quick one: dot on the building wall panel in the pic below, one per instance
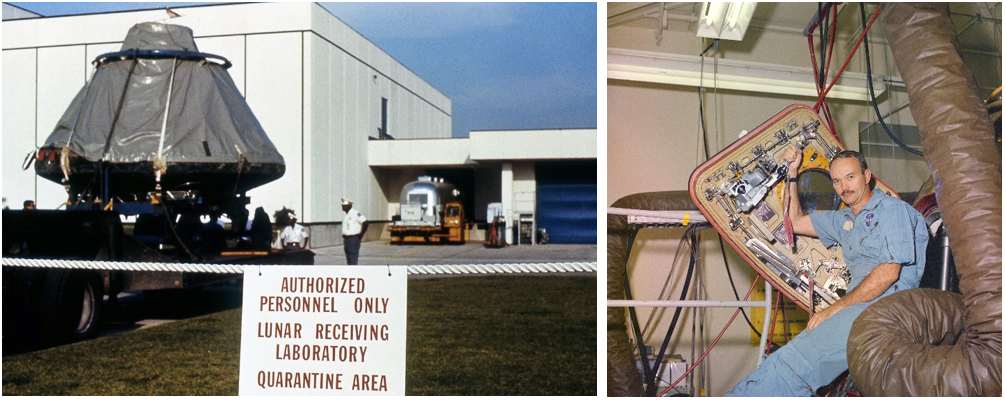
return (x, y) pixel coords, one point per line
(356, 134)
(328, 116)
(274, 81)
(344, 110)
(524, 187)
(393, 74)
(63, 73)
(19, 121)
(311, 140)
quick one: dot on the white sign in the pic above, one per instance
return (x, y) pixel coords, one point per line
(323, 330)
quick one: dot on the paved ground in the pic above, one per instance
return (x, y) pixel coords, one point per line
(382, 253)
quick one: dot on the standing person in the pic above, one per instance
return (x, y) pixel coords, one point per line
(29, 205)
(883, 243)
(294, 236)
(261, 230)
(354, 225)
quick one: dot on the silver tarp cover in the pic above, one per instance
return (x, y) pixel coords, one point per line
(208, 119)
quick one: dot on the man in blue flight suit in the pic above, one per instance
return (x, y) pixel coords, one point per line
(883, 243)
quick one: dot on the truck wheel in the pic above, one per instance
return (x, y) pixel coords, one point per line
(71, 302)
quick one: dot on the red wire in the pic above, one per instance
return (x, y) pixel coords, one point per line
(813, 60)
(785, 325)
(847, 60)
(775, 313)
(831, 41)
(817, 80)
(827, 64)
(813, 63)
(826, 112)
(694, 365)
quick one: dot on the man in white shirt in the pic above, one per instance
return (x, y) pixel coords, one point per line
(294, 236)
(354, 225)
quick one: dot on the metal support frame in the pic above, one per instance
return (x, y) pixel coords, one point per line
(766, 304)
(684, 219)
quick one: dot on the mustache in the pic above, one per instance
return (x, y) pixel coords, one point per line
(846, 192)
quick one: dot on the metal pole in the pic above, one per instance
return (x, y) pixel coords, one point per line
(764, 327)
(692, 216)
(685, 303)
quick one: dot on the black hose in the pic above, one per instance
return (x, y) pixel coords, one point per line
(690, 233)
(171, 225)
(869, 83)
(650, 380)
(702, 113)
(651, 385)
(677, 254)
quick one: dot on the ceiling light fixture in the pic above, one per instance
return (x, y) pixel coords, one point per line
(722, 20)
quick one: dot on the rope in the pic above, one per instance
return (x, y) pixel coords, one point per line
(528, 268)
(125, 266)
(465, 269)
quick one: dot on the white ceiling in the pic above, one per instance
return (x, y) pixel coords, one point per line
(974, 35)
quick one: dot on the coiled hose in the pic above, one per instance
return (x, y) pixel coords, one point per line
(925, 342)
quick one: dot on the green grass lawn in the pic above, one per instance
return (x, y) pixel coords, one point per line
(497, 335)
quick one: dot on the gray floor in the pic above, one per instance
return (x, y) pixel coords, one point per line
(382, 253)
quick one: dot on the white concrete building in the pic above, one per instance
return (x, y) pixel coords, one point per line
(328, 98)
(549, 177)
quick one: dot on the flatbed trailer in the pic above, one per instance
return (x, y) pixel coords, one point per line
(426, 234)
(48, 300)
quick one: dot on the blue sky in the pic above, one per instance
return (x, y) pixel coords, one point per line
(505, 66)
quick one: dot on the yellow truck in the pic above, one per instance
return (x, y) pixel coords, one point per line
(430, 211)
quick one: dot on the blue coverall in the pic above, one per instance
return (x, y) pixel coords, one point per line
(886, 230)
